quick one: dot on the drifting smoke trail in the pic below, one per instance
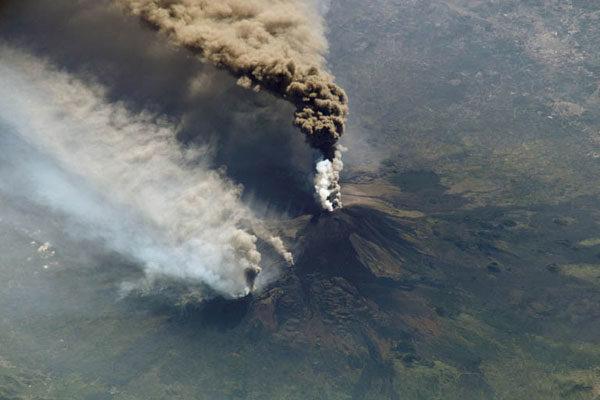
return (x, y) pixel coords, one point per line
(123, 178)
(276, 45)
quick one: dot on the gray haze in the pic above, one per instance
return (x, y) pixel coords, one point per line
(123, 180)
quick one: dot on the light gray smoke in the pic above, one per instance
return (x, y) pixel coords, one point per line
(276, 45)
(278, 245)
(123, 180)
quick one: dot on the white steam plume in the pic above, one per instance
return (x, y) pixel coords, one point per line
(327, 181)
(125, 181)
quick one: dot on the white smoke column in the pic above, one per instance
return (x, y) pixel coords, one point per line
(133, 188)
(327, 181)
(278, 245)
(274, 241)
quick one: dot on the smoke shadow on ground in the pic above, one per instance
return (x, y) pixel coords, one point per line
(216, 313)
(251, 134)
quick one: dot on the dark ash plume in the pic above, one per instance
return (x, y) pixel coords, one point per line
(278, 46)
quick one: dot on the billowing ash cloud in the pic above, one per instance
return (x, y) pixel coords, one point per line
(123, 180)
(276, 45)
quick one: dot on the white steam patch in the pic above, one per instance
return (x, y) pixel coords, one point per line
(327, 181)
(123, 180)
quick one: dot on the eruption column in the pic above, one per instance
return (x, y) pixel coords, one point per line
(275, 45)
